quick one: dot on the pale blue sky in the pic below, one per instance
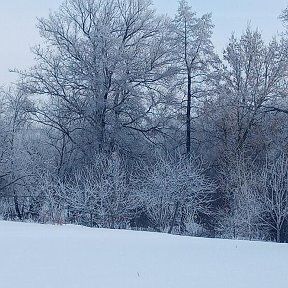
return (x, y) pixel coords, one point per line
(18, 20)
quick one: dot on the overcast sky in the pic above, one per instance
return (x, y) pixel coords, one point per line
(18, 20)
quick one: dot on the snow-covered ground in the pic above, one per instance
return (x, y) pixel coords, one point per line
(46, 256)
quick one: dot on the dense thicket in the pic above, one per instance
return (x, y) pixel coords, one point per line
(129, 119)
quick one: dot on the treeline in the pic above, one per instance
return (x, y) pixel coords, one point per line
(129, 119)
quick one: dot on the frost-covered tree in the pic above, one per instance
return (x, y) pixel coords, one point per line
(240, 214)
(176, 192)
(16, 171)
(103, 70)
(193, 56)
(254, 79)
(98, 195)
(274, 196)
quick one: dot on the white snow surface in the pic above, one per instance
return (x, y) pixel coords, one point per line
(47, 256)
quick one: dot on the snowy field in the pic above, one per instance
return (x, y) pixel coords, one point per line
(46, 256)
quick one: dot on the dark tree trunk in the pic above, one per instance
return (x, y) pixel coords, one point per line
(17, 209)
(188, 116)
(278, 232)
(174, 217)
(182, 222)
